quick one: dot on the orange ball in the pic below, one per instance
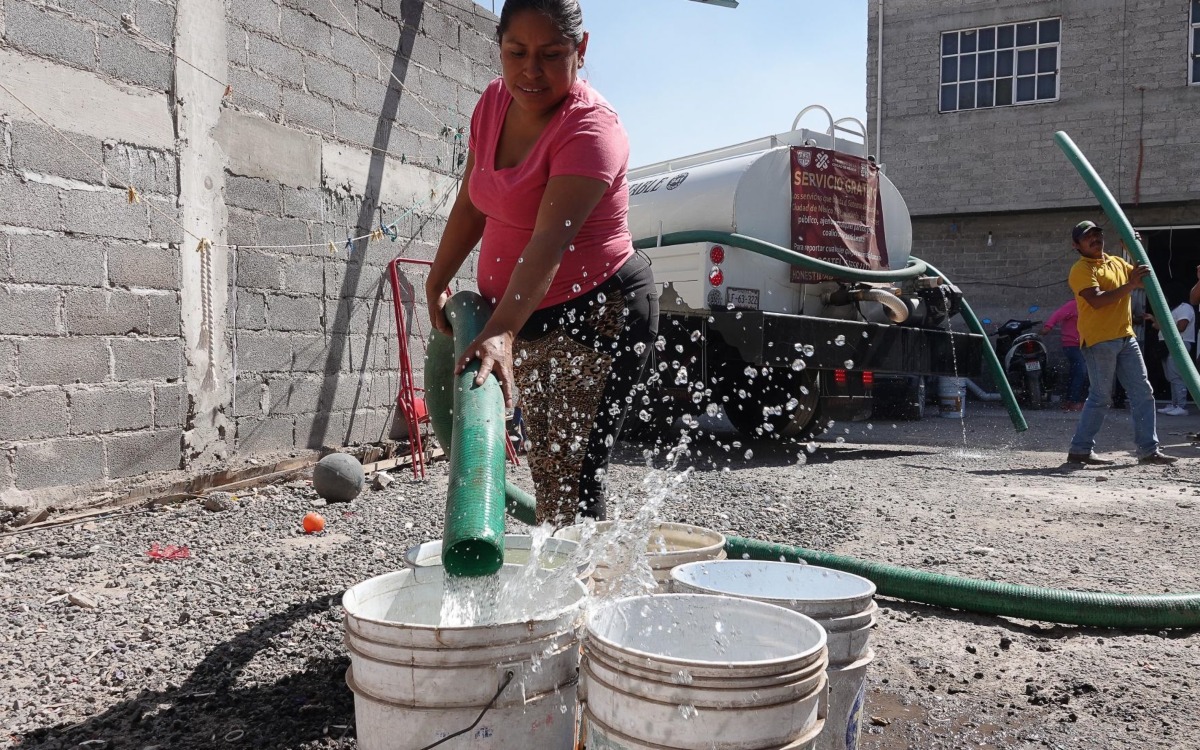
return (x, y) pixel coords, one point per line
(314, 522)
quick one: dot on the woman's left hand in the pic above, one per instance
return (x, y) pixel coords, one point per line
(494, 352)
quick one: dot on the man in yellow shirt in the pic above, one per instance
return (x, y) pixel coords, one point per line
(1102, 284)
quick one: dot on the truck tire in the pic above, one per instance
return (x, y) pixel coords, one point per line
(774, 402)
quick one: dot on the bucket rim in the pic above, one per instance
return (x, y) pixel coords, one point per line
(411, 554)
(729, 665)
(867, 585)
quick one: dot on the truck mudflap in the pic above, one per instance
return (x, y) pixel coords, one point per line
(778, 340)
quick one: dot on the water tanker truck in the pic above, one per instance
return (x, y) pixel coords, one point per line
(788, 298)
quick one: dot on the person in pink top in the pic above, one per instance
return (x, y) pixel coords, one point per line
(1067, 317)
(544, 192)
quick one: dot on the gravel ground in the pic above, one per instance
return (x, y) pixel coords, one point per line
(239, 644)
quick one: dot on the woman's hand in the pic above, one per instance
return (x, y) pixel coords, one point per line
(493, 349)
(437, 310)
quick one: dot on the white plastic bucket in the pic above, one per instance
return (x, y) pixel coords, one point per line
(842, 603)
(518, 548)
(415, 682)
(667, 545)
(690, 671)
(952, 396)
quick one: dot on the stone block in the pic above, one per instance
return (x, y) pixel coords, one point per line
(276, 61)
(143, 453)
(147, 359)
(253, 194)
(259, 270)
(28, 311)
(29, 204)
(110, 410)
(37, 148)
(294, 313)
(264, 435)
(329, 79)
(166, 316)
(33, 415)
(49, 34)
(105, 213)
(308, 111)
(101, 312)
(54, 463)
(170, 405)
(288, 396)
(140, 266)
(61, 361)
(264, 353)
(125, 58)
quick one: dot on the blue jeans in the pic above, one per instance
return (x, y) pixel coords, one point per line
(1077, 379)
(1120, 359)
(1179, 391)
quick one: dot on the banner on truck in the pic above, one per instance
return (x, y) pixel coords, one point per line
(837, 212)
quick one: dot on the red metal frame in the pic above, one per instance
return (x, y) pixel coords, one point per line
(410, 404)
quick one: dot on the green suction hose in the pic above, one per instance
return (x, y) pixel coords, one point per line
(916, 267)
(1154, 294)
(989, 597)
(473, 538)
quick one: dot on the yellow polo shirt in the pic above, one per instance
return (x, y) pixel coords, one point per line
(1100, 324)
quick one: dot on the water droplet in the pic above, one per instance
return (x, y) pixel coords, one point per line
(517, 297)
(749, 454)
(809, 350)
(695, 335)
(798, 365)
(849, 364)
(570, 248)
(555, 447)
(568, 223)
(712, 410)
(576, 288)
(601, 298)
(840, 340)
(792, 404)
(520, 261)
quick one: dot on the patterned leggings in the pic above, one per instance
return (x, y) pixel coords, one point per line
(576, 366)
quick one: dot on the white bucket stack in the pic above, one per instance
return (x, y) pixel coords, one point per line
(842, 603)
(952, 396)
(415, 683)
(667, 546)
(689, 671)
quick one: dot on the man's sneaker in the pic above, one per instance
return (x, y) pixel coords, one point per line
(1177, 411)
(1156, 457)
(1166, 410)
(1091, 459)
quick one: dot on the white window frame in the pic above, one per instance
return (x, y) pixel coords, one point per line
(1194, 44)
(1053, 41)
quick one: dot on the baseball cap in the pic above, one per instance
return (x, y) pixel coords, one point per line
(1083, 228)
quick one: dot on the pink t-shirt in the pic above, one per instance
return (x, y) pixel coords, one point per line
(1068, 317)
(584, 139)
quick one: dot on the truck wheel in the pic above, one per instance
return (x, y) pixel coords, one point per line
(774, 402)
(1033, 389)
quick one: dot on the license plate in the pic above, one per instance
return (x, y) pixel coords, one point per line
(742, 299)
(1033, 366)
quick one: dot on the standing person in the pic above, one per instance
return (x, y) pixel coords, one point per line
(1184, 317)
(1194, 295)
(1102, 284)
(545, 190)
(1067, 316)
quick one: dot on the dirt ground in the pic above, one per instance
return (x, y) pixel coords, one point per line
(239, 644)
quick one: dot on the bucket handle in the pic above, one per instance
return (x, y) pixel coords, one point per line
(508, 678)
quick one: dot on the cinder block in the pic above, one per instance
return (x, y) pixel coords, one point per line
(33, 415)
(141, 266)
(61, 361)
(242, 228)
(253, 194)
(329, 80)
(305, 32)
(259, 270)
(50, 34)
(292, 234)
(306, 276)
(290, 396)
(276, 61)
(147, 359)
(29, 204)
(351, 52)
(362, 129)
(302, 203)
(368, 425)
(156, 21)
(8, 361)
(110, 410)
(255, 15)
(294, 313)
(248, 400)
(321, 430)
(318, 354)
(101, 312)
(170, 405)
(378, 28)
(264, 353)
(28, 311)
(166, 317)
(37, 148)
(147, 170)
(166, 223)
(63, 462)
(264, 435)
(105, 213)
(123, 57)
(143, 453)
(306, 110)
(251, 312)
(254, 92)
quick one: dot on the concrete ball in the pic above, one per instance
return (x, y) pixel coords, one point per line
(338, 477)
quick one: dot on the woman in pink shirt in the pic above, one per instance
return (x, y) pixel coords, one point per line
(575, 309)
(1067, 317)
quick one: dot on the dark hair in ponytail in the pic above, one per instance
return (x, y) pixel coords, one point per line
(566, 14)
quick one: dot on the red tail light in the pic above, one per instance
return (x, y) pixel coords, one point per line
(715, 277)
(1029, 347)
(839, 377)
(717, 255)
(868, 378)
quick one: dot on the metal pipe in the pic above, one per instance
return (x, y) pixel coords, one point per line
(981, 394)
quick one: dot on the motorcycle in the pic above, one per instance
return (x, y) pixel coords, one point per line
(1024, 358)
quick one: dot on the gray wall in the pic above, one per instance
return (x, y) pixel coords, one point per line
(107, 367)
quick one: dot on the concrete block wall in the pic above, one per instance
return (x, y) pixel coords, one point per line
(331, 123)
(1124, 98)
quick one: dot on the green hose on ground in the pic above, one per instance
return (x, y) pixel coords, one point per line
(1154, 294)
(915, 267)
(1132, 611)
(473, 537)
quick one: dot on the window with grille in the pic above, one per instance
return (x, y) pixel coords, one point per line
(1194, 51)
(1000, 66)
